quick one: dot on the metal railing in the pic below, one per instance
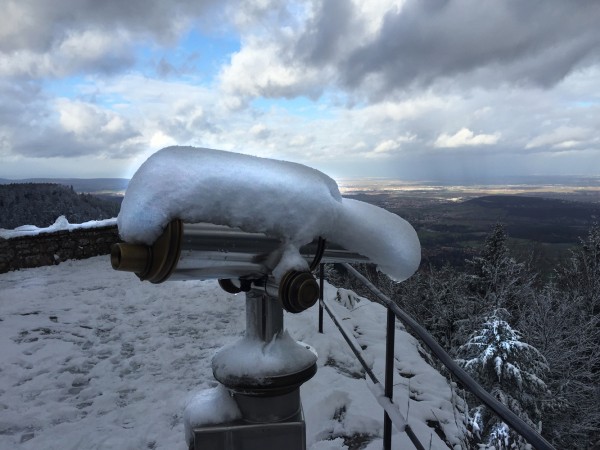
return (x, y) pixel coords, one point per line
(391, 412)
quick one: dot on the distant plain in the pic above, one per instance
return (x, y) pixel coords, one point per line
(544, 216)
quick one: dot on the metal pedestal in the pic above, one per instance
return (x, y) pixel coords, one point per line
(271, 409)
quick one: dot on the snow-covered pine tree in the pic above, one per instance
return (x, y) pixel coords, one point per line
(498, 280)
(512, 371)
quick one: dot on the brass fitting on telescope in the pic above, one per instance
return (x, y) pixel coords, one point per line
(298, 291)
(153, 263)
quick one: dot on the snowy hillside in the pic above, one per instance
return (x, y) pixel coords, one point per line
(94, 359)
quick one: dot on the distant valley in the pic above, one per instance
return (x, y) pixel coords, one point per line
(451, 231)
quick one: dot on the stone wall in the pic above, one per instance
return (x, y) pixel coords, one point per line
(51, 248)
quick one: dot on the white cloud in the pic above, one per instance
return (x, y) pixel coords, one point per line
(260, 131)
(409, 108)
(258, 70)
(161, 140)
(564, 137)
(301, 140)
(88, 121)
(465, 138)
(72, 128)
(388, 147)
(385, 147)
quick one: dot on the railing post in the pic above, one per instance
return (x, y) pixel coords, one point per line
(321, 279)
(389, 376)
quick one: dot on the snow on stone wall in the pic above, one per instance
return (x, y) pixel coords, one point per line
(52, 247)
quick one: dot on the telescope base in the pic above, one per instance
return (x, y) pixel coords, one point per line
(268, 409)
(289, 434)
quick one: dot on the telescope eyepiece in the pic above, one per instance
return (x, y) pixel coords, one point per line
(130, 257)
(154, 263)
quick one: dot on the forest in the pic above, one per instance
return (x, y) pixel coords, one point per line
(531, 341)
(40, 204)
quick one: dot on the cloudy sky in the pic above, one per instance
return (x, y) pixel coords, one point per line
(415, 89)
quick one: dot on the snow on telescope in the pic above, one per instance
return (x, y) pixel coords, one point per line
(194, 213)
(201, 213)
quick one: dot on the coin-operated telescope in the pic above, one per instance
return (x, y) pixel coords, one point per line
(270, 407)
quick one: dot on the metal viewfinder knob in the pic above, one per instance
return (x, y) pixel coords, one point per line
(298, 291)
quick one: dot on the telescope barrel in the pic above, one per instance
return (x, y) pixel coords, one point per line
(204, 251)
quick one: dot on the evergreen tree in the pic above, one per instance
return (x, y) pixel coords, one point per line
(438, 300)
(498, 280)
(512, 371)
(580, 277)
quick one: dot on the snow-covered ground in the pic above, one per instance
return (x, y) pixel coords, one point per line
(92, 358)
